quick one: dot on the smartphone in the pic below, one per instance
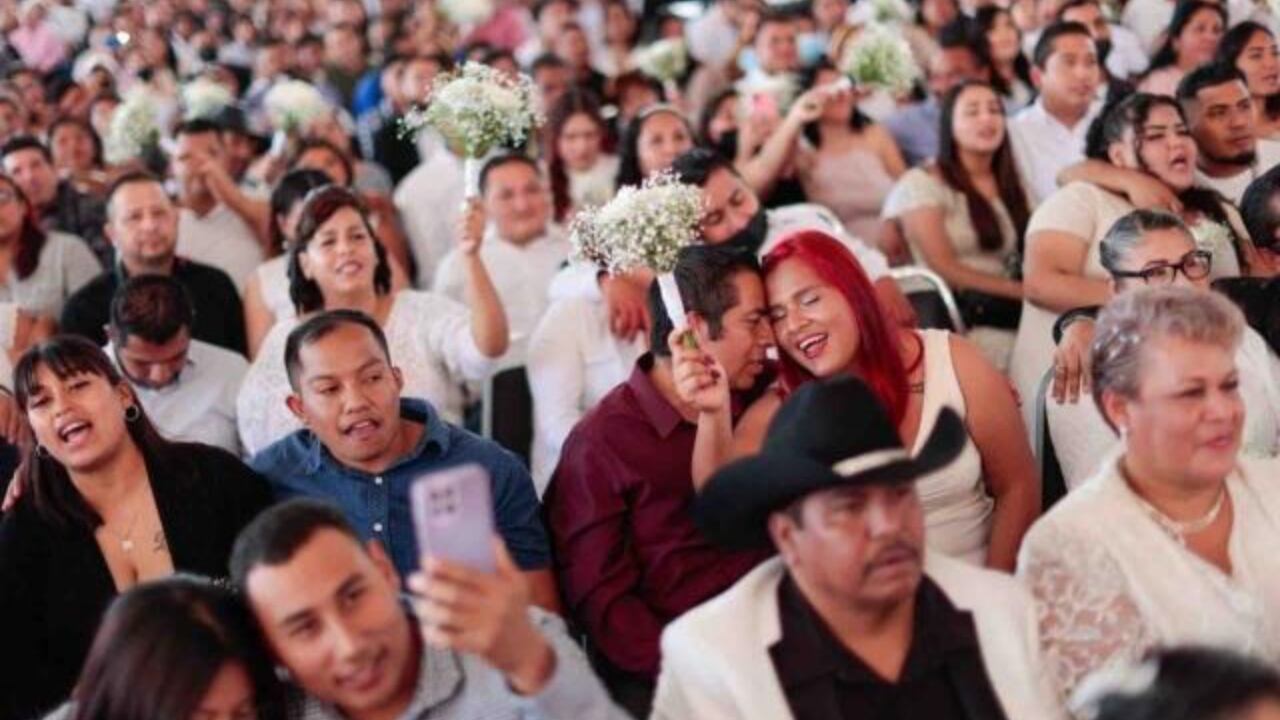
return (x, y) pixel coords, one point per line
(453, 516)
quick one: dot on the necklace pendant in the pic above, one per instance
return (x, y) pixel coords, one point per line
(126, 545)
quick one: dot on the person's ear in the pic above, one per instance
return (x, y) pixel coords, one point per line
(782, 529)
(1116, 408)
(1117, 155)
(399, 377)
(294, 402)
(700, 327)
(304, 264)
(1037, 77)
(382, 562)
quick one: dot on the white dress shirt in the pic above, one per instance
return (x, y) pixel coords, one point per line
(521, 274)
(1232, 188)
(429, 201)
(1127, 59)
(573, 361)
(1043, 146)
(1148, 19)
(221, 239)
(200, 404)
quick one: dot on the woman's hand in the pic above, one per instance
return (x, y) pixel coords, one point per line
(700, 379)
(1071, 362)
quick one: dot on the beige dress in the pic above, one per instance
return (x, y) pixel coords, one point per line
(854, 185)
(918, 188)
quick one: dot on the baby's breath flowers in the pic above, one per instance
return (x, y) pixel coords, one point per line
(643, 228)
(878, 58)
(477, 109)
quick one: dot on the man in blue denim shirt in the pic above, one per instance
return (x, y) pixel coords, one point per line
(363, 446)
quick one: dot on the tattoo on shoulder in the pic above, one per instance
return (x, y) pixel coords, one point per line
(159, 544)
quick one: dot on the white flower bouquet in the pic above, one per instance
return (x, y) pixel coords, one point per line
(466, 12)
(665, 60)
(643, 227)
(477, 109)
(879, 58)
(204, 98)
(292, 104)
(135, 129)
(1213, 237)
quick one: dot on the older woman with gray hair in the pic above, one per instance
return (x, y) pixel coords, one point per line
(1173, 541)
(1149, 248)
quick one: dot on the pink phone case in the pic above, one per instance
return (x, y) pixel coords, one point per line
(453, 516)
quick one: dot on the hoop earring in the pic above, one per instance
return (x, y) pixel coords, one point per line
(132, 413)
(41, 451)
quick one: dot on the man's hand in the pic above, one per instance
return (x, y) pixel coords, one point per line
(487, 615)
(628, 305)
(1071, 362)
(471, 227)
(700, 379)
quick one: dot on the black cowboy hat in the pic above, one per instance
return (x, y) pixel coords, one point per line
(828, 434)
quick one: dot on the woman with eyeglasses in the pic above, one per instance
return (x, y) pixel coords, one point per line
(1155, 249)
(1173, 541)
(1139, 154)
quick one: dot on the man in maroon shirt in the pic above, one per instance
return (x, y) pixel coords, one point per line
(628, 556)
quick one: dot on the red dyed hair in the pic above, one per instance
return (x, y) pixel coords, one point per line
(878, 361)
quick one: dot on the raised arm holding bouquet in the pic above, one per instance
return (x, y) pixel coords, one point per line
(643, 228)
(880, 59)
(477, 109)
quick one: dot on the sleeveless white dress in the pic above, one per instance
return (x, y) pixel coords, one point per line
(957, 509)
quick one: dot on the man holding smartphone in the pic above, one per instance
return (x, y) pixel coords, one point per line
(363, 445)
(467, 646)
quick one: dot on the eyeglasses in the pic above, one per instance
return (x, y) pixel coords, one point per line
(1195, 265)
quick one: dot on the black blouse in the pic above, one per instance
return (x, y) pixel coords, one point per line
(55, 584)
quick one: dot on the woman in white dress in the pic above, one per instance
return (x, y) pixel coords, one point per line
(1142, 150)
(337, 262)
(828, 322)
(1149, 248)
(39, 270)
(1174, 540)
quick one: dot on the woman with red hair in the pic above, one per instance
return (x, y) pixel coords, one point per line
(828, 321)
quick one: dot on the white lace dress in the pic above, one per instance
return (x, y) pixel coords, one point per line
(430, 341)
(1109, 583)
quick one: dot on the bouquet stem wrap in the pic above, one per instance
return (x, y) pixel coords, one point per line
(471, 176)
(675, 307)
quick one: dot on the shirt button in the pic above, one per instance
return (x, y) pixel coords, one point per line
(377, 480)
(377, 527)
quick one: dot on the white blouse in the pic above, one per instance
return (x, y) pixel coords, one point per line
(430, 341)
(65, 265)
(573, 361)
(273, 281)
(1110, 583)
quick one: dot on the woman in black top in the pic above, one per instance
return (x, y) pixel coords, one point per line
(108, 504)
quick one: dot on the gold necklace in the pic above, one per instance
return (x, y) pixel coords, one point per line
(126, 540)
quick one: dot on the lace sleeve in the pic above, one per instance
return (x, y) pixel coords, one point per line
(1087, 618)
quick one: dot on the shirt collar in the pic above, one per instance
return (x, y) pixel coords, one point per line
(435, 432)
(809, 651)
(664, 418)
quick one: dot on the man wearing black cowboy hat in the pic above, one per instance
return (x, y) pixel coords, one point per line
(854, 619)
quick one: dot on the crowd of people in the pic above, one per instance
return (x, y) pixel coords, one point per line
(974, 411)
